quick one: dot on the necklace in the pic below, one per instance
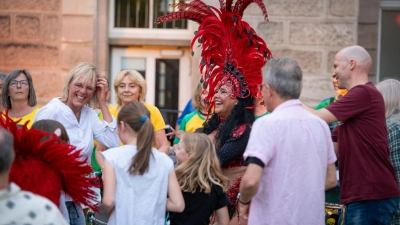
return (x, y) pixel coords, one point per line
(203, 114)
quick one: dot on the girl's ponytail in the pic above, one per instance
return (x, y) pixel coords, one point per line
(136, 116)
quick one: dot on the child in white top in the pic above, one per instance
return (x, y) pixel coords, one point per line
(137, 177)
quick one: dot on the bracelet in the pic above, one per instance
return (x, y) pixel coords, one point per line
(244, 203)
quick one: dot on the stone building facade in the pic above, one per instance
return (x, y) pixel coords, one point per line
(48, 37)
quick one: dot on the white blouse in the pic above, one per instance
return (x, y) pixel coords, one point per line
(81, 134)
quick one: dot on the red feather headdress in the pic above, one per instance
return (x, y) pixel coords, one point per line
(232, 53)
(47, 167)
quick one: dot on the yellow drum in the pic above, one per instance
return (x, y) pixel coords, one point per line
(332, 213)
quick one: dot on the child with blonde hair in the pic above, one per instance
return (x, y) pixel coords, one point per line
(136, 176)
(201, 181)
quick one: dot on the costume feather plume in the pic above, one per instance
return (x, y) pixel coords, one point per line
(45, 165)
(231, 49)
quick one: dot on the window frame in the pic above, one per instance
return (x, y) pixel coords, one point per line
(383, 5)
(148, 33)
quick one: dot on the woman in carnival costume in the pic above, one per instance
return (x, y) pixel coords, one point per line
(232, 58)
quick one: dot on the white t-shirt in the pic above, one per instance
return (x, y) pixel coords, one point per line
(140, 199)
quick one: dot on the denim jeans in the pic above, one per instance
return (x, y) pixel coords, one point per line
(75, 212)
(369, 212)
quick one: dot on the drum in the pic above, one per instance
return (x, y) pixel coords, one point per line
(332, 213)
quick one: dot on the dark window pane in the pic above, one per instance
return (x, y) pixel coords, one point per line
(131, 13)
(167, 88)
(161, 7)
(390, 48)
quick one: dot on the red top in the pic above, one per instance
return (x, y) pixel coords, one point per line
(365, 171)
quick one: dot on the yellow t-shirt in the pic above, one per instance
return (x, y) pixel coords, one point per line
(155, 116)
(24, 119)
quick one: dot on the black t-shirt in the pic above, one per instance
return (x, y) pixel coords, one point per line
(200, 206)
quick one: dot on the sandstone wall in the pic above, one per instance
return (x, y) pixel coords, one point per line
(311, 31)
(48, 37)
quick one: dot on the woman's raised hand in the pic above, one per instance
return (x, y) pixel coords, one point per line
(101, 90)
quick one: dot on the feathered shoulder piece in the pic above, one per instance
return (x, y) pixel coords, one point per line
(46, 165)
(232, 53)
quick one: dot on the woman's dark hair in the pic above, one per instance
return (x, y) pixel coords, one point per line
(50, 126)
(239, 115)
(137, 117)
(6, 83)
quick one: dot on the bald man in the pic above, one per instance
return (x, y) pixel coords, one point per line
(368, 185)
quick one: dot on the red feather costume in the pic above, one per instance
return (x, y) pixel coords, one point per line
(232, 54)
(231, 50)
(47, 167)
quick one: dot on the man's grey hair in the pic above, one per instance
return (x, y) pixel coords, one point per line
(6, 150)
(284, 76)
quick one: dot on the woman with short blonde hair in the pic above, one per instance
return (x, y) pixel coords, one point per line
(129, 86)
(83, 89)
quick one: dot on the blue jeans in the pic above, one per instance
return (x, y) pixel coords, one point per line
(75, 212)
(369, 212)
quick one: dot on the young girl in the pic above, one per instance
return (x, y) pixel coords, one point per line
(201, 180)
(52, 127)
(137, 177)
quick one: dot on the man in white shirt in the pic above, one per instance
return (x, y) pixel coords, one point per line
(290, 155)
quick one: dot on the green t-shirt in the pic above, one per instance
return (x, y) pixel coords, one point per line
(190, 123)
(94, 164)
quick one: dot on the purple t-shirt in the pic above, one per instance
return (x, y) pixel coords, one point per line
(365, 171)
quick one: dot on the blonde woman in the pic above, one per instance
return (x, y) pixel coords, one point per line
(83, 89)
(19, 98)
(129, 86)
(201, 181)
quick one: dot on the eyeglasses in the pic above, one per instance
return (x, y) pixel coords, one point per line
(79, 86)
(23, 83)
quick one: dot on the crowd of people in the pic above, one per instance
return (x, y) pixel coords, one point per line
(250, 153)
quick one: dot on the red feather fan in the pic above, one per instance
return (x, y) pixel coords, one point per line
(45, 165)
(232, 52)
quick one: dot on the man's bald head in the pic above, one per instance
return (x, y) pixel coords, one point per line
(359, 55)
(6, 150)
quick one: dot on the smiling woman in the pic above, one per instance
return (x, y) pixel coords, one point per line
(19, 98)
(130, 86)
(83, 89)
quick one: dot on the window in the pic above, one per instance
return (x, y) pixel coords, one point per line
(137, 14)
(388, 44)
